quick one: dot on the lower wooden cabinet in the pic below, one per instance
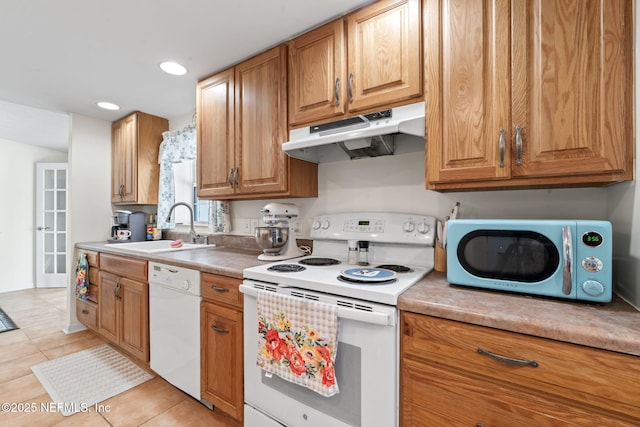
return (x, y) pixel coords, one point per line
(456, 374)
(122, 310)
(221, 344)
(124, 313)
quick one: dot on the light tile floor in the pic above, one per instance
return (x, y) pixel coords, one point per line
(40, 314)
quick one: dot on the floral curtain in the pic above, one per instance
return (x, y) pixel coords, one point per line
(176, 146)
(219, 217)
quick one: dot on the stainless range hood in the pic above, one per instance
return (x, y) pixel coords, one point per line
(392, 131)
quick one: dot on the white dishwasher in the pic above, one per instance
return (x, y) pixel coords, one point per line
(174, 325)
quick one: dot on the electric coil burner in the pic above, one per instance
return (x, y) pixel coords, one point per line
(395, 267)
(319, 261)
(286, 268)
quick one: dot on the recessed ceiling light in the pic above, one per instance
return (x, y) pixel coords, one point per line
(108, 105)
(173, 68)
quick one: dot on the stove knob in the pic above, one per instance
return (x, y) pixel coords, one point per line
(186, 285)
(325, 224)
(316, 225)
(423, 228)
(408, 226)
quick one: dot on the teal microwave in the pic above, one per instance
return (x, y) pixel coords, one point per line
(568, 259)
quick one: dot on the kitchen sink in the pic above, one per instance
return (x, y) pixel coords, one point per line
(153, 246)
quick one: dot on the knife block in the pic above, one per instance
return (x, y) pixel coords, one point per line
(440, 263)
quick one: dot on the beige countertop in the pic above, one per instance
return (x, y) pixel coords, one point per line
(210, 259)
(614, 326)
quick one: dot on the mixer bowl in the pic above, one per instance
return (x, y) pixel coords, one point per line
(271, 239)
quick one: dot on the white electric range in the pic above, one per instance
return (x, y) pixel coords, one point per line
(400, 253)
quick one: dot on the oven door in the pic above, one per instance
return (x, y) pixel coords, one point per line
(366, 368)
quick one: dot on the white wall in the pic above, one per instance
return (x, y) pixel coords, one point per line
(17, 216)
(89, 192)
(396, 184)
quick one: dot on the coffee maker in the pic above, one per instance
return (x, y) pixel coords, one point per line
(132, 221)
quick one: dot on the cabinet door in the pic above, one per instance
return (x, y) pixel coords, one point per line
(317, 70)
(467, 82)
(384, 53)
(571, 91)
(134, 306)
(261, 123)
(108, 313)
(222, 376)
(124, 160)
(216, 142)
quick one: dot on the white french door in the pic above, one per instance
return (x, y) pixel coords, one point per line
(51, 222)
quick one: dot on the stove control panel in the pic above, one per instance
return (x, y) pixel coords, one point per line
(383, 227)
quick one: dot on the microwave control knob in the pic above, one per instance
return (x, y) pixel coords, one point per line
(408, 226)
(316, 225)
(593, 288)
(325, 224)
(423, 228)
(592, 264)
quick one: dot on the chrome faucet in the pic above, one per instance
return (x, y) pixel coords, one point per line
(193, 231)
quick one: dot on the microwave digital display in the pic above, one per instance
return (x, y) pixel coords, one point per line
(592, 239)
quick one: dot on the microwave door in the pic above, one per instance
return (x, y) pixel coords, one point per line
(509, 255)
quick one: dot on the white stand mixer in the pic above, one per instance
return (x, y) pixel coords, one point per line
(278, 243)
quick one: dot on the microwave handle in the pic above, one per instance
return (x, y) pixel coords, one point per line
(567, 260)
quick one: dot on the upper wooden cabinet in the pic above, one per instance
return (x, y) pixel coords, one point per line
(528, 93)
(242, 123)
(317, 70)
(135, 143)
(377, 62)
(216, 141)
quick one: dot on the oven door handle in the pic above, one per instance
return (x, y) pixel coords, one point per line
(343, 312)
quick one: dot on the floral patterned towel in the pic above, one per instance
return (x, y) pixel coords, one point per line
(298, 341)
(82, 276)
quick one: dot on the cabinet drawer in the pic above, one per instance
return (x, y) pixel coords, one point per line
(221, 289)
(87, 314)
(598, 377)
(432, 395)
(133, 268)
(93, 258)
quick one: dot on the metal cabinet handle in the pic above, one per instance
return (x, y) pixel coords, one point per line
(230, 177)
(567, 260)
(336, 90)
(219, 289)
(43, 228)
(219, 330)
(501, 146)
(116, 290)
(85, 311)
(235, 178)
(519, 145)
(350, 88)
(509, 360)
